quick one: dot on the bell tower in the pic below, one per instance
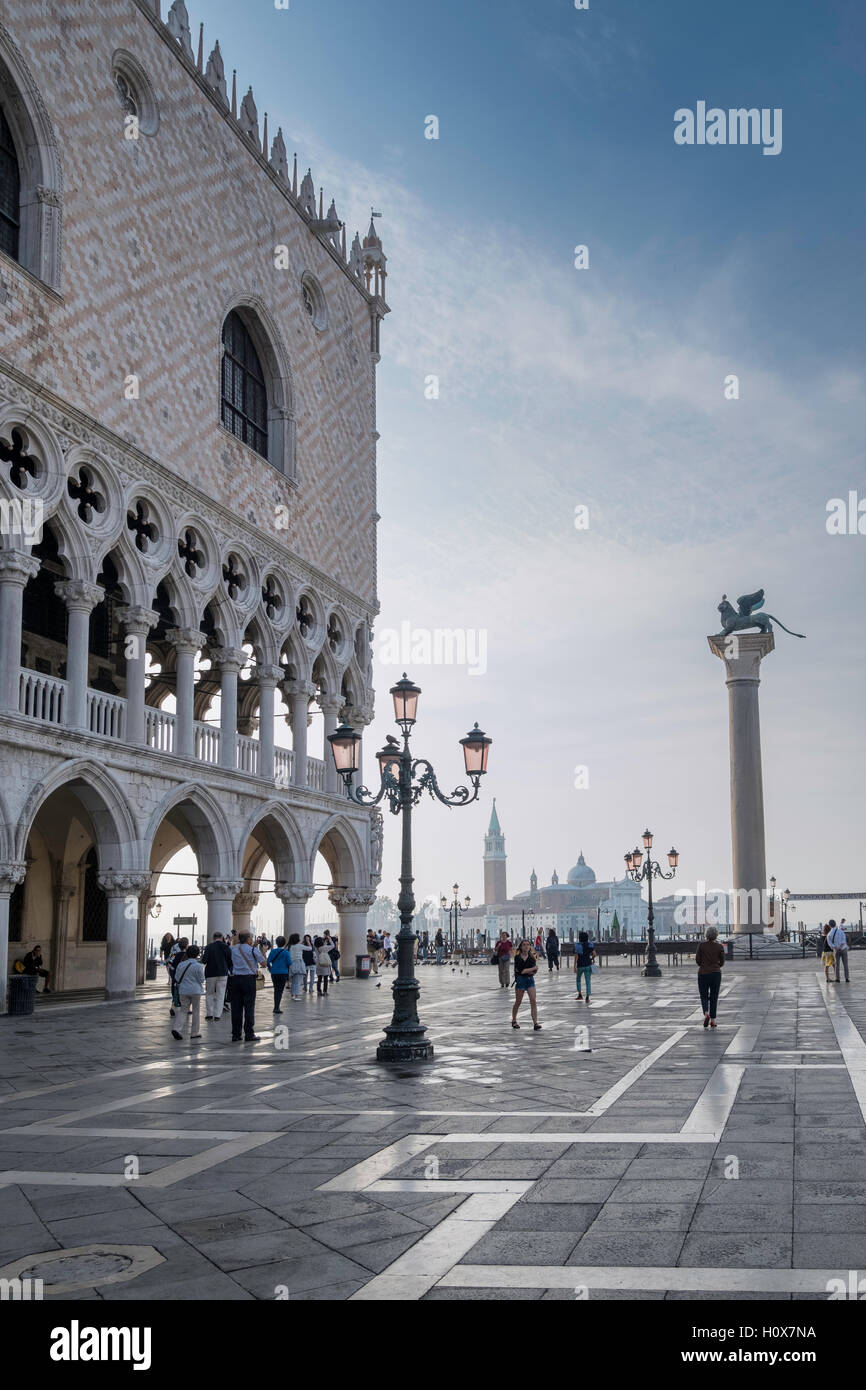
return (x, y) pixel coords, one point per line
(494, 861)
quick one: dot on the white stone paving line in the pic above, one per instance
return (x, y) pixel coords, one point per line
(851, 1044)
(716, 1101)
(415, 1272)
(639, 1279)
(613, 1094)
(79, 1081)
(159, 1178)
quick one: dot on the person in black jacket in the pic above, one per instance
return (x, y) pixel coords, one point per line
(551, 947)
(217, 962)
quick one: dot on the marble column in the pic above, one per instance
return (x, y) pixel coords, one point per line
(123, 890)
(64, 893)
(230, 661)
(15, 570)
(330, 708)
(352, 906)
(220, 894)
(242, 911)
(294, 897)
(298, 695)
(742, 653)
(80, 598)
(10, 876)
(187, 643)
(137, 623)
(267, 677)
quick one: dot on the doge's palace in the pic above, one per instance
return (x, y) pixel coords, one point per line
(188, 351)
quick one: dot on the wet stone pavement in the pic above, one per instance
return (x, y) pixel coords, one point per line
(668, 1161)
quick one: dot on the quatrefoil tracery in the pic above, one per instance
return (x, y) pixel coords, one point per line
(83, 491)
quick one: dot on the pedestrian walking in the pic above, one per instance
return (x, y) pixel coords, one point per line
(710, 958)
(279, 964)
(838, 943)
(297, 968)
(332, 946)
(440, 946)
(503, 951)
(323, 965)
(386, 947)
(217, 962)
(246, 959)
(551, 947)
(525, 969)
(310, 963)
(176, 955)
(373, 952)
(190, 985)
(584, 960)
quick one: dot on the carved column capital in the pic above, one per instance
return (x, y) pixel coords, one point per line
(232, 660)
(79, 593)
(268, 675)
(220, 887)
(186, 639)
(125, 883)
(294, 892)
(137, 620)
(352, 899)
(17, 568)
(11, 874)
(245, 902)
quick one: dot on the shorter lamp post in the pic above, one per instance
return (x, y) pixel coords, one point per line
(650, 870)
(454, 911)
(403, 780)
(786, 898)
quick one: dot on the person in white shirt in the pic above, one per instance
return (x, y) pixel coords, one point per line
(838, 943)
(246, 959)
(189, 980)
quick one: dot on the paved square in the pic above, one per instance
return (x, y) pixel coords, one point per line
(668, 1161)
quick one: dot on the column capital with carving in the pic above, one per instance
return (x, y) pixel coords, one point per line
(137, 620)
(296, 893)
(245, 902)
(16, 567)
(79, 594)
(742, 653)
(125, 883)
(352, 899)
(268, 675)
(220, 887)
(232, 660)
(186, 639)
(11, 874)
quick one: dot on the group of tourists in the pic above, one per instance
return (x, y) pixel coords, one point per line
(231, 970)
(380, 949)
(523, 958)
(833, 950)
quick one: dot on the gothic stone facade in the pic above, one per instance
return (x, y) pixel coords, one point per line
(187, 494)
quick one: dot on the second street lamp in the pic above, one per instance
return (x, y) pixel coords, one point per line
(403, 781)
(454, 911)
(650, 870)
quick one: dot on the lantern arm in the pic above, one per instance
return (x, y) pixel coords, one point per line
(427, 782)
(390, 787)
(658, 871)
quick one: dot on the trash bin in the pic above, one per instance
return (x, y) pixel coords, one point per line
(150, 968)
(362, 967)
(22, 993)
(729, 948)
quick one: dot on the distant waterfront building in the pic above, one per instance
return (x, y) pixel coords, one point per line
(579, 904)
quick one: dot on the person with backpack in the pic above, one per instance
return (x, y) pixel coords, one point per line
(279, 964)
(190, 985)
(551, 947)
(297, 968)
(309, 963)
(334, 952)
(217, 961)
(323, 965)
(584, 959)
(838, 943)
(175, 956)
(502, 951)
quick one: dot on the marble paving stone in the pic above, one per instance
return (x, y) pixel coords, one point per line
(612, 1247)
(752, 1249)
(525, 1247)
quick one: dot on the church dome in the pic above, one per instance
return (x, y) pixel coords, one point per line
(581, 875)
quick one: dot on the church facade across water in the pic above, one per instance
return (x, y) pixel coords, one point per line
(613, 908)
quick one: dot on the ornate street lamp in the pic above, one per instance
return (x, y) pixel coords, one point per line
(454, 911)
(773, 901)
(403, 780)
(650, 870)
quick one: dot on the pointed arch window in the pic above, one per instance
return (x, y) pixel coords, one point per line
(94, 911)
(10, 190)
(244, 393)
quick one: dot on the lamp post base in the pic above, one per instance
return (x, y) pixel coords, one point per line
(405, 1049)
(651, 970)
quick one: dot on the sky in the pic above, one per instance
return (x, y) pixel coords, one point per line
(603, 388)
